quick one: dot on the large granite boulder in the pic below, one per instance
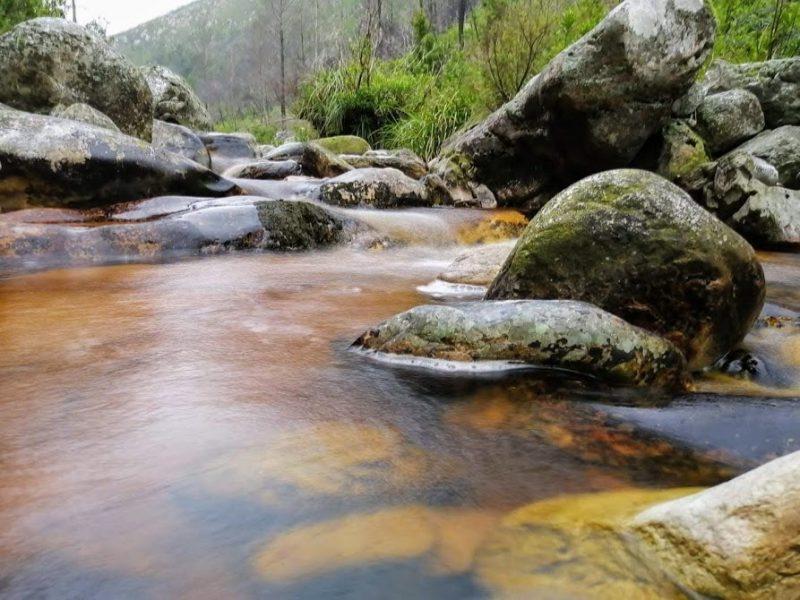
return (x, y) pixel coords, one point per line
(736, 540)
(402, 160)
(85, 114)
(729, 118)
(682, 151)
(49, 62)
(591, 109)
(776, 83)
(770, 217)
(781, 148)
(639, 247)
(47, 161)
(345, 144)
(175, 101)
(180, 140)
(564, 335)
(380, 188)
(229, 149)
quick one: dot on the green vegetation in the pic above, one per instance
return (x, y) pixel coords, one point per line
(16, 11)
(266, 128)
(756, 30)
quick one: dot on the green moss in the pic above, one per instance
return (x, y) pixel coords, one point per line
(345, 144)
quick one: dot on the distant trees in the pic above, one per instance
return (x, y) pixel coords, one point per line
(16, 11)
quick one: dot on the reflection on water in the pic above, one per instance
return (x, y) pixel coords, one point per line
(198, 429)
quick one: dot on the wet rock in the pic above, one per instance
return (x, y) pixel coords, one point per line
(729, 118)
(776, 83)
(735, 540)
(682, 151)
(770, 217)
(379, 188)
(478, 266)
(344, 144)
(725, 186)
(288, 151)
(495, 226)
(316, 161)
(229, 149)
(637, 246)
(264, 169)
(780, 148)
(572, 336)
(180, 140)
(85, 114)
(49, 62)
(263, 149)
(175, 101)
(591, 109)
(402, 160)
(48, 161)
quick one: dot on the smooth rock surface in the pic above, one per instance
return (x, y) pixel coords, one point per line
(379, 188)
(591, 109)
(229, 149)
(781, 148)
(180, 140)
(567, 335)
(175, 101)
(478, 266)
(48, 62)
(264, 169)
(402, 160)
(729, 118)
(85, 114)
(639, 247)
(770, 217)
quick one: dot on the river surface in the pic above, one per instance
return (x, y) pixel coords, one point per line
(199, 429)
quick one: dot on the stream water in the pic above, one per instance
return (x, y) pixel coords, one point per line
(198, 429)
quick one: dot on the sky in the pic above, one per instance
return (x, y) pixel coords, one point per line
(120, 15)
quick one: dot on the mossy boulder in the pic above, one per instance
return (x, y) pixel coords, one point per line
(49, 62)
(565, 335)
(639, 247)
(345, 144)
(682, 151)
(174, 100)
(729, 118)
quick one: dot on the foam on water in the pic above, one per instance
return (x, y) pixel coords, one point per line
(443, 290)
(445, 366)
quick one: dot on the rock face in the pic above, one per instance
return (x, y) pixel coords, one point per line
(736, 540)
(85, 114)
(402, 160)
(175, 101)
(776, 83)
(478, 266)
(345, 144)
(729, 118)
(48, 161)
(558, 334)
(379, 188)
(639, 247)
(180, 140)
(780, 148)
(770, 217)
(264, 169)
(49, 62)
(591, 109)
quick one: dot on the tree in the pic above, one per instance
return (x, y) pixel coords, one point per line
(16, 11)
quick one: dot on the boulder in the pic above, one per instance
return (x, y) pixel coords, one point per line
(770, 217)
(565, 335)
(781, 148)
(85, 114)
(402, 160)
(591, 109)
(344, 144)
(776, 83)
(729, 118)
(229, 149)
(380, 188)
(49, 62)
(316, 161)
(639, 247)
(174, 100)
(47, 161)
(736, 540)
(288, 151)
(180, 140)
(264, 169)
(478, 266)
(682, 150)
(263, 149)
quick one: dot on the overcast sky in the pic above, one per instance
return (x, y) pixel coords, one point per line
(119, 15)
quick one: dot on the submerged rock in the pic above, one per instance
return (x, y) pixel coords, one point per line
(180, 140)
(345, 144)
(780, 148)
(729, 118)
(639, 247)
(736, 540)
(380, 188)
(48, 62)
(591, 109)
(478, 266)
(264, 169)
(402, 160)
(85, 114)
(48, 161)
(175, 101)
(566, 335)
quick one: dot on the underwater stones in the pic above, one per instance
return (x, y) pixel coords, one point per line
(48, 62)
(47, 161)
(639, 247)
(402, 160)
(174, 100)
(565, 335)
(180, 140)
(729, 118)
(591, 109)
(345, 144)
(780, 148)
(379, 188)
(478, 266)
(85, 114)
(574, 547)
(264, 169)
(736, 540)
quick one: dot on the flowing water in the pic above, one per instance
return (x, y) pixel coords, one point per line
(199, 429)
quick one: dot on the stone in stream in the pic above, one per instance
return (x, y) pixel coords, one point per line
(345, 144)
(402, 160)
(780, 148)
(776, 83)
(180, 140)
(591, 109)
(639, 247)
(85, 114)
(382, 188)
(229, 149)
(729, 118)
(174, 100)
(478, 266)
(48, 62)
(565, 335)
(47, 161)
(738, 540)
(264, 169)
(314, 160)
(770, 217)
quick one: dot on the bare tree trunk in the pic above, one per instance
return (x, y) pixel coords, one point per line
(283, 68)
(462, 15)
(74, 13)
